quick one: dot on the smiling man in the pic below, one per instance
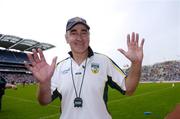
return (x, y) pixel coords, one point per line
(81, 80)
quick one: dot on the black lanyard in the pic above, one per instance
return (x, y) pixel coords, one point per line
(81, 81)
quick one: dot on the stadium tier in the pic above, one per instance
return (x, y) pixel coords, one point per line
(13, 51)
(17, 43)
(12, 57)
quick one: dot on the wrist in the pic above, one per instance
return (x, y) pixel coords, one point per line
(44, 84)
(136, 63)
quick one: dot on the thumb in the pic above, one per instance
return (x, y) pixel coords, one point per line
(122, 51)
(53, 64)
(28, 66)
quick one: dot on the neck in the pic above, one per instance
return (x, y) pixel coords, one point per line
(79, 57)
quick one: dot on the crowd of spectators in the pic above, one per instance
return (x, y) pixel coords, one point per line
(18, 78)
(166, 71)
(12, 67)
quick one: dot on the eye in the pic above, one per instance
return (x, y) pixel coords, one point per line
(73, 33)
(84, 33)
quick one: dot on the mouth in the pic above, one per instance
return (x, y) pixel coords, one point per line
(79, 44)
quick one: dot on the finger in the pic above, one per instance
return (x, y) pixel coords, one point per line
(36, 57)
(142, 43)
(31, 59)
(28, 66)
(128, 39)
(122, 51)
(41, 55)
(133, 37)
(53, 64)
(137, 39)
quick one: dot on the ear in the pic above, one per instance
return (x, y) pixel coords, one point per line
(66, 37)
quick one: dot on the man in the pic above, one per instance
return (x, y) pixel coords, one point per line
(81, 80)
(3, 86)
(175, 113)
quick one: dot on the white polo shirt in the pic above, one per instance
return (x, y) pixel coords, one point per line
(100, 71)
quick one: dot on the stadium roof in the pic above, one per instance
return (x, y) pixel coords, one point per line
(17, 43)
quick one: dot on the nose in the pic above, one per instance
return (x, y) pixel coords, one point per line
(78, 37)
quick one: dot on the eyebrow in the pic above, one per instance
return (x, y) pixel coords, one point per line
(74, 30)
(85, 30)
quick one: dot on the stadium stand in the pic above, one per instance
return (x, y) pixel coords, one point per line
(167, 71)
(13, 51)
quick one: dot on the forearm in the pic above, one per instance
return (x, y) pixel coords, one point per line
(8, 85)
(133, 78)
(44, 93)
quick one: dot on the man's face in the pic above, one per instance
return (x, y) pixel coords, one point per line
(78, 38)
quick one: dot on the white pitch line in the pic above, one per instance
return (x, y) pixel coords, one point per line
(129, 97)
(29, 101)
(50, 116)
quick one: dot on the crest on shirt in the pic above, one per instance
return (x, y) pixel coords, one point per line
(95, 68)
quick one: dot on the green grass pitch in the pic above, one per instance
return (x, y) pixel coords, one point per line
(157, 98)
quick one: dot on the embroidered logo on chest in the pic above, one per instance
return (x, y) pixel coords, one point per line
(95, 68)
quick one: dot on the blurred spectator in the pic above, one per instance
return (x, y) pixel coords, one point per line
(3, 86)
(19, 78)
